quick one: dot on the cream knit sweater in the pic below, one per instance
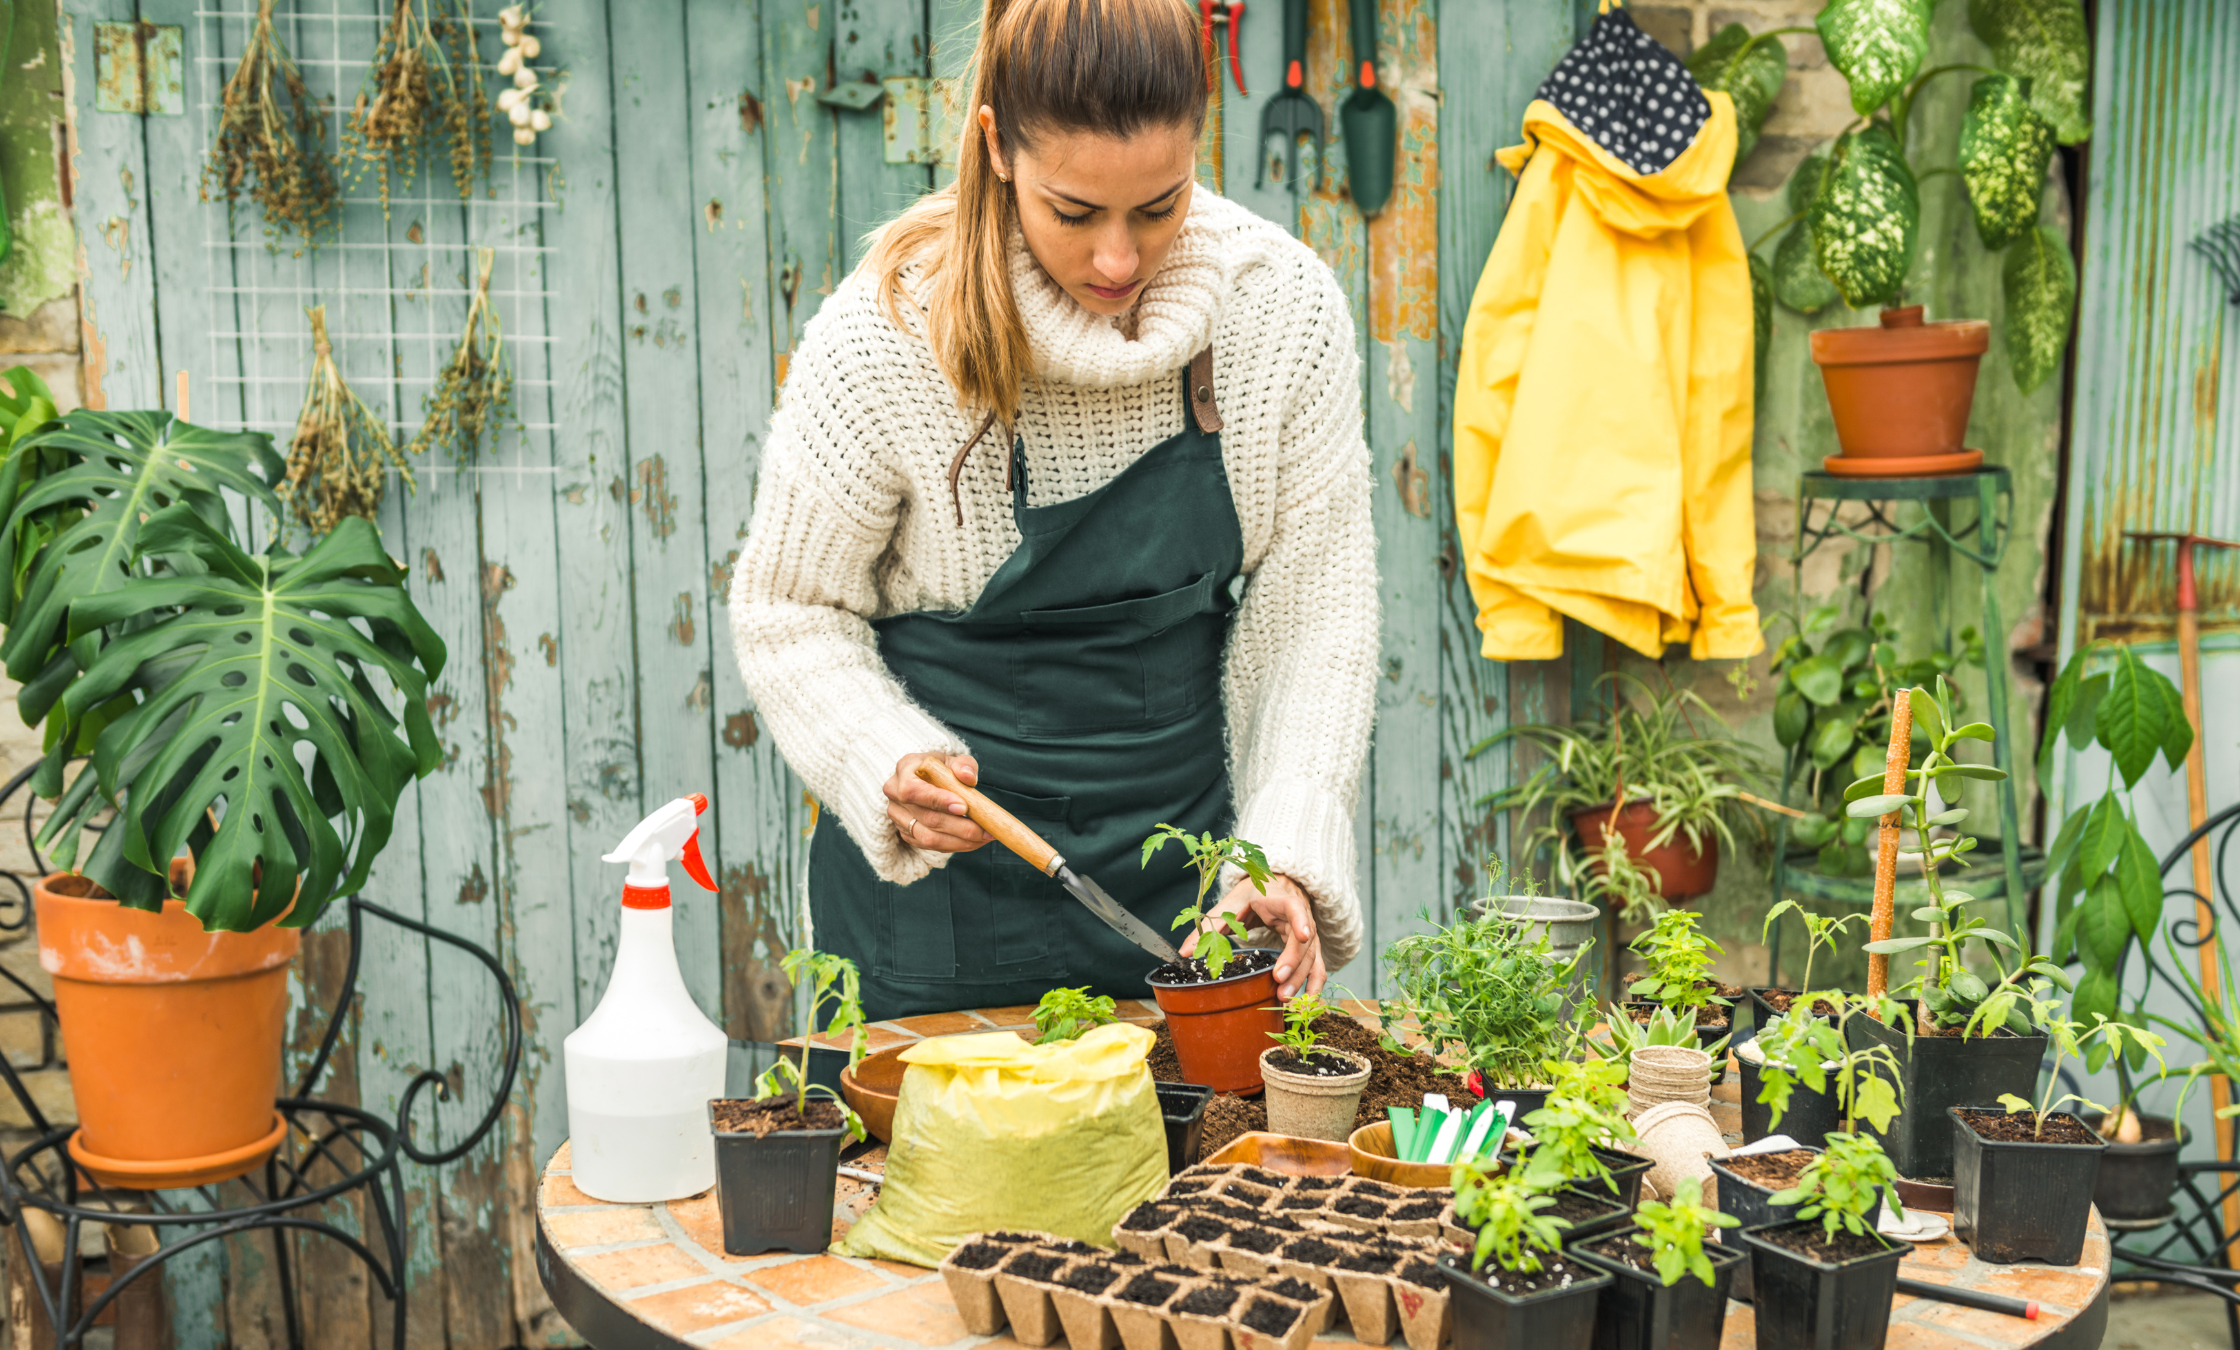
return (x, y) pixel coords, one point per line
(852, 522)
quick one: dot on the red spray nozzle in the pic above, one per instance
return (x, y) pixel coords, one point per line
(694, 866)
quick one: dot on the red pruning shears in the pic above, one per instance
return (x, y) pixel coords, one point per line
(1229, 17)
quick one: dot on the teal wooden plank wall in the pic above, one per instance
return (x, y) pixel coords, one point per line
(659, 253)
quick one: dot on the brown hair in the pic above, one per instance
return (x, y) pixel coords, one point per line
(1110, 67)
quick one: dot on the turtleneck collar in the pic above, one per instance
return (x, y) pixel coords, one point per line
(1173, 318)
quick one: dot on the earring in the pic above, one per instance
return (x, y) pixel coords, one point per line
(1003, 178)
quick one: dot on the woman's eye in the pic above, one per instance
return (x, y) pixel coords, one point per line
(1162, 214)
(1064, 219)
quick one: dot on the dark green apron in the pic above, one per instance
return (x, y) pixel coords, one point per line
(1087, 681)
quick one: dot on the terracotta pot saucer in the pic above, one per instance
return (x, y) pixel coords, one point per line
(1904, 466)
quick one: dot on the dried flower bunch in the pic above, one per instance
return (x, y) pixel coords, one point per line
(520, 104)
(475, 391)
(277, 156)
(419, 91)
(338, 462)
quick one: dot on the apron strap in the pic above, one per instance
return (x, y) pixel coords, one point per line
(956, 466)
(1200, 380)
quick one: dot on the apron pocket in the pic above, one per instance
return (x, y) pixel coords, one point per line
(917, 928)
(1008, 926)
(1125, 666)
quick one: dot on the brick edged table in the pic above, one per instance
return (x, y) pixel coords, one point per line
(655, 1277)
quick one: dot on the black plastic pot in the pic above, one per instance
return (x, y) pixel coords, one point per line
(1586, 1230)
(1751, 1205)
(1638, 1312)
(1762, 1012)
(1528, 1100)
(1626, 1171)
(2136, 1179)
(1811, 1116)
(2015, 1200)
(1805, 1304)
(775, 1191)
(1182, 1109)
(1487, 1319)
(1939, 1073)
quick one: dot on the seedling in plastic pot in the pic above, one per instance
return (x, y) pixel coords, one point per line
(1063, 1014)
(1801, 1048)
(1840, 1188)
(1208, 855)
(1679, 964)
(1505, 1212)
(1673, 1231)
(1821, 932)
(823, 971)
(1664, 1027)
(2070, 1039)
(1585, 1110)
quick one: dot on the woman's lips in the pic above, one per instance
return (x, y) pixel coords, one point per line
(1112, 292)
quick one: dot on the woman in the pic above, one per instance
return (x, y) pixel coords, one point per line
(1067, 489)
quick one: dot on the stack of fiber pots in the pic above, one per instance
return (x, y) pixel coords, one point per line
(1670, 1090)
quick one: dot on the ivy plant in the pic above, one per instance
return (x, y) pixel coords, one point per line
(1855, 208)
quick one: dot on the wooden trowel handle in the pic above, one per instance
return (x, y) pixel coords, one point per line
(1007, 828)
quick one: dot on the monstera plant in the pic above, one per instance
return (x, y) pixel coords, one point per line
(234, 707)
(1855, 206)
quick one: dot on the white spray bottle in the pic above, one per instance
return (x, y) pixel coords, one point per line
(643, 1067)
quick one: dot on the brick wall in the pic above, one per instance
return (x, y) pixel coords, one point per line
(1814, 105)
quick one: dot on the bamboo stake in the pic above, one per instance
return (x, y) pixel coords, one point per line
(182, 395)
(1886, 853)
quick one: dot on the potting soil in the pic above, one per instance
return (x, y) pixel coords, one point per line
(1290, 1286)
(1575, 1209)
(1034, 1265)
(1147, 1289)
(1299, 1202)
(2021, 1127)
(1369, 1260)
(761, 1118)
(1554, 1273)
(1417, 1209)
(1146, 1217)
(1090, 1277)
(1317, 1065)
(1622, 1247)
(1318, 1183)
(1774, 1171)
(1199, 1228)
(1812, 1240)
(978, 1255)
(1192, 969)
(1208, 1301)
(1781, 1000)
(1309, 1251)
(1375, 1188)
(1268, 1316)
(1261, 1176)
(1361, 1207)
(1423, 1273)
(1258, 1241)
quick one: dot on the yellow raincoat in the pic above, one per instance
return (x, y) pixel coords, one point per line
(1602, 411)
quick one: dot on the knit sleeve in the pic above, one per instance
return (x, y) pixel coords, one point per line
(1300, 682)
(802, 596)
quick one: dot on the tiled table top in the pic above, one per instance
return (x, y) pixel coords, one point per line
(655, 1277)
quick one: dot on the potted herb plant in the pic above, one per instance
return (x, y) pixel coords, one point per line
(1945, 1054)
(778, 1154)
(1490, 996)
(2023, 1176)
(1678, 956)
(226, 702)
(1634, 803)
(1220, 1004)
(1313, 1092)
(1821, 932)
(1825, 1279)
(1568, 924)
(1668, 1288)
(1576, 1135)
(1517, 1289)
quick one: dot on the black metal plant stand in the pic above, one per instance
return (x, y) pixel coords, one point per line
(1981, 539)
(330, 1150)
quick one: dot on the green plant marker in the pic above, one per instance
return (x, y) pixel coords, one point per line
(1403, 1129)
(1485, 1124)
(1465, 1136)
(1427, 1133)
(1450, 1134)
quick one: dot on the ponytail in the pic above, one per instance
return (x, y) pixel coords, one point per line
(1110, 67)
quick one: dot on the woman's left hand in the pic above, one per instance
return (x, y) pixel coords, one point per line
(1284, 910)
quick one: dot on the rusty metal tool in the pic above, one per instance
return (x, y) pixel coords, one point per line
(1222, 21)
(1013, 835)
(1291, 113)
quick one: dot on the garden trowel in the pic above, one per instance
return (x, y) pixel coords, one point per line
(1013, 835)
(1368, 118)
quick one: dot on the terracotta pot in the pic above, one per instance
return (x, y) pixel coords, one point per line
(1901, 390)
(172, 1035)
(1683, 872)
(1220, 1028)
(1312, 1106)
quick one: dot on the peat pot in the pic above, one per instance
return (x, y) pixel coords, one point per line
(774, 1191)
(1313, 1106)
(1221, 1027)
(1938, 1073)
(172, 1035)
(1683, 871)
(2019, 1199)
(1806, 1304)
(2136, 1180)
(1900, 392)
(1485, 1318)
(1638, 1312)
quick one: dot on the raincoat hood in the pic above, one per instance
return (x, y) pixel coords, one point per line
(1639, 204)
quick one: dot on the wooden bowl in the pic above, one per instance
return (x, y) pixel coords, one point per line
(1373, 1157)
(873, 1087)
(1287, 1154)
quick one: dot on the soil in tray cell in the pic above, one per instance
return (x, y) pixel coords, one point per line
(1270, 1317)
(1148, 1216)
(760, 1118)
(1233, 1213)
(1370, 1261)
(1318, 1183)
(2021, 1126)
(1317, 1065)
(1375, 1188)
(1554, 1273)
(1423, 1273)
(1199, 1228)
(1362, 1207)
(979, 1256)
(1417, 1209)
(1774, 1171)
(1239, 1193)
(1070, 1247)
(1210, 1301)
(1189, 1185)
(1302, 1203)
(1257, 1241)
(1192, 969)
(1260, 1176)
(1813, 1241)
(1292, 1287)
(1091, 1277)
(1036, 1266)
(1278, 1224)
(1148, 1289)
(1309, 1251)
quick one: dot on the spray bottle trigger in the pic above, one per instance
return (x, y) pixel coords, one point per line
(694, 866)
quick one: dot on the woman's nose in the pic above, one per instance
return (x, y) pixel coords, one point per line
(1116, 257)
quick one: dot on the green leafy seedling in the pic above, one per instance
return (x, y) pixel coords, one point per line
(823, 971)
(1673, 1231)
(1585, 1110)
(1840, 1188)
(2071, 1039)
(1504, 1210)
(1489, 994)
(1679, 959)
(1299, 1016)
(1063, 1014)
(1209, 855)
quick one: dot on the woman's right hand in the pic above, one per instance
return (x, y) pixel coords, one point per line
(927, 817)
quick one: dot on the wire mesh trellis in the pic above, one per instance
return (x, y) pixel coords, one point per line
(396, 287)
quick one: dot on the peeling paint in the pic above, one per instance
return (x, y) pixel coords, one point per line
(703, 695)
(719, 575)
(757, 997)
(712, 213)
(476, 888)
(682, 624)
(750, 112)
(550, 647)
(739, 731)
(431, 564)
(1414, 484)
(653, 493)
(1400, 377)
(497, 663)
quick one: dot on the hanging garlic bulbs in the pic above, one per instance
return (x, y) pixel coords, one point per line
(520, 104)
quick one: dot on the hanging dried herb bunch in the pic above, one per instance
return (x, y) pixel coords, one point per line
(278, 156)
(474, 394)
(420, 91)
(339, 461)
(466, 109)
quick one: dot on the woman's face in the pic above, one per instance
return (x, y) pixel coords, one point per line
(1100, 212)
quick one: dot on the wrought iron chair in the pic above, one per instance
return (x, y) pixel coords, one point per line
(329, 1151)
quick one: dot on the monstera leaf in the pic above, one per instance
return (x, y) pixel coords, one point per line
(2004, 150)
(1876, 44)
(1798, 281)
(1866, 212)
(76, 494)
(1747, 70)
(2046, 43)
(256, 666)
(2041, 289)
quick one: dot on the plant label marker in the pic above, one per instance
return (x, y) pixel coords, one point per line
(1403, 1130)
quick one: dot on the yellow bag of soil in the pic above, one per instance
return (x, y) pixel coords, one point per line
(992, 1132)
